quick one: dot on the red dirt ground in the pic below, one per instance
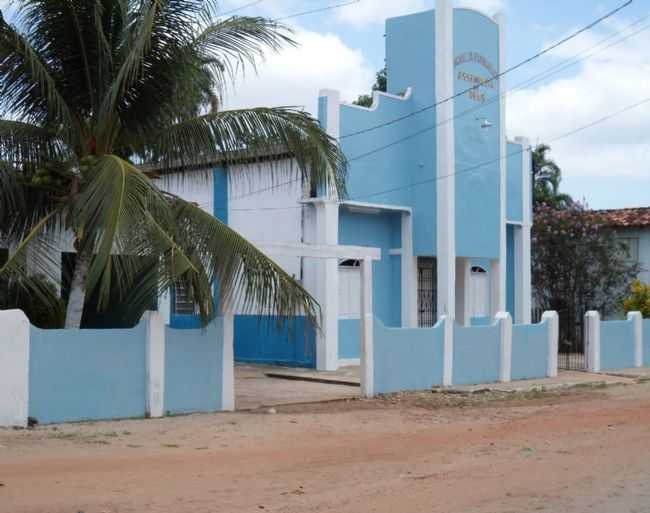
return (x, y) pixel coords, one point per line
(580, 451)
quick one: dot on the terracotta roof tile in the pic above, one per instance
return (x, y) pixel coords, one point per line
(625, 217)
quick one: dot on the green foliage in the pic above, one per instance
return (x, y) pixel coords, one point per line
(639, 299)
(93, 93)
(381, 84)
(43, 314)
(547, 176)
(578, 264)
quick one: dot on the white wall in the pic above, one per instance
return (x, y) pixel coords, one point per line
(643, 234)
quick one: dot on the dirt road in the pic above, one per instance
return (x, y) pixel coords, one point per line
(583, 451)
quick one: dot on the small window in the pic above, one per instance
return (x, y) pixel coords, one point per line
(478, 270)
(630, 247)
(350, 263)
(183, 305)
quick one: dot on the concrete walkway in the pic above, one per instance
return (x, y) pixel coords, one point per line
(255, 388)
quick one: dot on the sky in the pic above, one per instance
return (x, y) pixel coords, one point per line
(608, 165)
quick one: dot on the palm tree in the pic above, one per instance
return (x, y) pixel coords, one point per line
(99, 98)
(547, 176)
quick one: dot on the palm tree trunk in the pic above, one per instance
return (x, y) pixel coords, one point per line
(77, 296)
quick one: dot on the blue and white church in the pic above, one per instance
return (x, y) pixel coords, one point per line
(434, 182)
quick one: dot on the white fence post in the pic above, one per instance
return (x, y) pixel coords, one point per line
(228, 362)
(504, 321)
(14, 368)
(592, 340)
(447, 351)
(155, 351)
(367, 320)
(637, 319)
(553, 321)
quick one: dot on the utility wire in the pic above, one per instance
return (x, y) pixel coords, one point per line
(321, 9)
(495, 77)
(241, 8)
(576, 59)
(471, 168)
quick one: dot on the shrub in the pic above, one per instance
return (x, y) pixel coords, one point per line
(639, 300)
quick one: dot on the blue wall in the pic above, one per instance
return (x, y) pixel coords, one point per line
(258, 339)
(646, 342)
(478, 215)
(530, 351)
(476, 354)
(616, 344)
(381, 231)
(407, 359)
(514, 204)
(87, 374)
(193, 369)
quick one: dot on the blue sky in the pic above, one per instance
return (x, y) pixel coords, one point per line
(608, 166)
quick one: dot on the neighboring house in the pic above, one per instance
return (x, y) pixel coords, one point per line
(433, 182)
(632, 227)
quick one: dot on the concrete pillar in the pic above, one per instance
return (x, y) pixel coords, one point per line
(367, 325)
(522, 245)
(14, 368)
(327, 286)
(637, 319)
(592, 341)
(504, 322)
(553, 321)
(445, 161)
(228, 362)
(155, 362)
(447, 351)
(409, 274)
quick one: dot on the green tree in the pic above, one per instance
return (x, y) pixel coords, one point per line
(547, 176)
(381, 80)
(578, 265)
(639, 299)
(94, 92)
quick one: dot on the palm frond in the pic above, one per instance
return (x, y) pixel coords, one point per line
(245, 276)
(234, 136)
(24, 143)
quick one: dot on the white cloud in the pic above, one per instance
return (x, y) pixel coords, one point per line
(602, 85)
(294, 76)
(376, 11)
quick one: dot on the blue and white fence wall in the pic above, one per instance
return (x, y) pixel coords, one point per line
(449, 354)
(147, 371)
(611, 345)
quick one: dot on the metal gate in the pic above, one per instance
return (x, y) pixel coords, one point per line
(427, 297)
(571, 346)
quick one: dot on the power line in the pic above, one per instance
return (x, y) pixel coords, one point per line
(474, 167)
(321, 9)
(533, 80)
(495, 77)
(241, 8)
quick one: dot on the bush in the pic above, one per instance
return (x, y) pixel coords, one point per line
(639, 301)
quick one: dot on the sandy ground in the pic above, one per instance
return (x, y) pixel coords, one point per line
(585, 450)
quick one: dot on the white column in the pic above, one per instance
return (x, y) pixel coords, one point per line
(409, 274)
(504, 322)
(165, 307)
(14, 368)
(500, 293)
(496, 303)
(445, 161)
(155, 361)
(447, 351)
(553, 321)
(228, 362)
(367, 325)
(523, 276)
(327, 286)
(637, 319)
(592, 340)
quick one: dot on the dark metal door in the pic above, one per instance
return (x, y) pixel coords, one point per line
(427, 292)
